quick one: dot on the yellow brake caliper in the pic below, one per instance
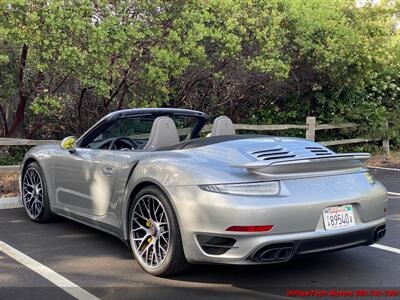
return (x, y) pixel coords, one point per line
(148, 224)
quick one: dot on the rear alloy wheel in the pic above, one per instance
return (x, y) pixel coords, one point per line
(154, 234)
(34, 194)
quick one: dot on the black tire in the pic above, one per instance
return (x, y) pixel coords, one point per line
(174, 261)
(45, 215)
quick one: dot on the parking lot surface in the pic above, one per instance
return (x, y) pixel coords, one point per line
(99, 265)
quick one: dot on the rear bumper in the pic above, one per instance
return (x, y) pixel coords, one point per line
(296, 216)
(280, 252)
(341, 241)
(290, 245)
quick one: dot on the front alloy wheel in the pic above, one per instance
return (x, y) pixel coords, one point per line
(34, 194)
(154, 234)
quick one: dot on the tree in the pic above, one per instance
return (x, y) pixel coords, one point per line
(67, 63)
(44, 33)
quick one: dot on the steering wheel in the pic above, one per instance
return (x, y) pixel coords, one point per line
(132, 144)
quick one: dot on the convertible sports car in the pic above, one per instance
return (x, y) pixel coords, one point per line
(148, 177)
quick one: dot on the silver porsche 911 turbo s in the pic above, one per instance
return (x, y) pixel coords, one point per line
(176, 198)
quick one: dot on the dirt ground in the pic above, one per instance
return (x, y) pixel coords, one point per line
(8, 184)
(382, 161)
(8, 181)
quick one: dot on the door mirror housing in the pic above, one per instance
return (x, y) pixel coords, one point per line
(69, 143)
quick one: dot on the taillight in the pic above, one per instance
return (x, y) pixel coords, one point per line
(250, 228)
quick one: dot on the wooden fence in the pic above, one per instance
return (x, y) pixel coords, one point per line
(311, 127)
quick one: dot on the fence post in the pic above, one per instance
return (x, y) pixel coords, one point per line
(385, 142)
(310, 132)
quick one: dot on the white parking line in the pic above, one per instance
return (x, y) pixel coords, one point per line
(393, 194)
(60, 281)
(10, 202)
(387, 248)
(383, 168)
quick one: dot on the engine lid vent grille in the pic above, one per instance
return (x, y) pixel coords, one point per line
(318, 151)
(274, 153)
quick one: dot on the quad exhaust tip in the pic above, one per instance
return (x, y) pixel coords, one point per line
(274, 253)
(379, 233)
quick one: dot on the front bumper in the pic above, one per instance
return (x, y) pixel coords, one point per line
(296, 216)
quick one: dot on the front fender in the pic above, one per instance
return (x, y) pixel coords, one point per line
(42, 155)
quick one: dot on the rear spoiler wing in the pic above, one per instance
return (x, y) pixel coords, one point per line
(334, 162)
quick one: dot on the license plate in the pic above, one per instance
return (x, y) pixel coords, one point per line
(338, 217)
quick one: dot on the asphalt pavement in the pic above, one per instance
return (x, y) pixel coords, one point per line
(100, 265)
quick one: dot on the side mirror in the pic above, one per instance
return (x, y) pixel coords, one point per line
(68, 143)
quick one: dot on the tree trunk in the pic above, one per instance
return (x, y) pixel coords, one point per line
(19, 115)
(79, 108)
(122, 96)
(4, 118)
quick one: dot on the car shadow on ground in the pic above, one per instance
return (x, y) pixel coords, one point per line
(339, 270)
(99, 259)
(60, 237)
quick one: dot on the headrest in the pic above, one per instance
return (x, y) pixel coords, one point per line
(222, 126)
(163, 133)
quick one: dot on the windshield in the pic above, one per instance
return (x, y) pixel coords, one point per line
(138, 128)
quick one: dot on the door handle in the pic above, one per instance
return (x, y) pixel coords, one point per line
(108, 171)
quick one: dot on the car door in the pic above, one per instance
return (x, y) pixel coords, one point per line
(84, 179)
